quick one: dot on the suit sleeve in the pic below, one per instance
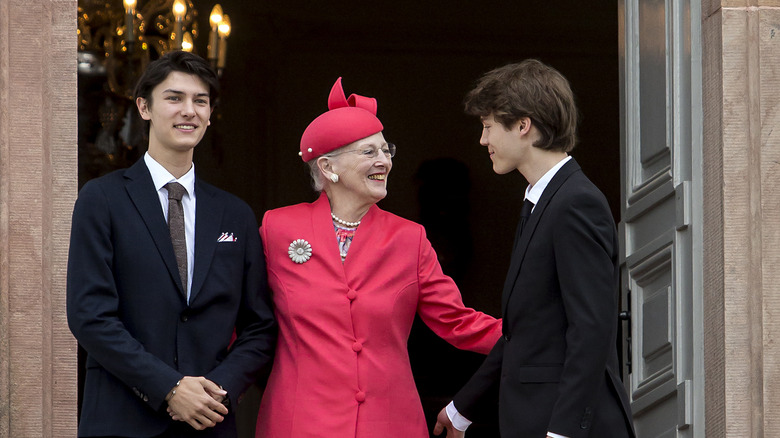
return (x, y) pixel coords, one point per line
(93, 303)
(480, 394)
(441, 307)
(256, 330)
(585, 257)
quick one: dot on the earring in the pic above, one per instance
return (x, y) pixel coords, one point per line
(334, 177)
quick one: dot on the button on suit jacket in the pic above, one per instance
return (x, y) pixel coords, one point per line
(555, 368)
(128, 309)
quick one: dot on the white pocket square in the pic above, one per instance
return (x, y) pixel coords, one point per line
(227, 237)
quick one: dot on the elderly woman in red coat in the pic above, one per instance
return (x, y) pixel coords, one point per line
(347, 280)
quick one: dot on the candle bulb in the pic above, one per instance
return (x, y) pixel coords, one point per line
(224, 26)
(187, 42)
(179, 9)
(215, 18)
(224, 32)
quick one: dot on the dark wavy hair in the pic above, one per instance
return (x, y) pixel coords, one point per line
(157, 71)
(528, 89)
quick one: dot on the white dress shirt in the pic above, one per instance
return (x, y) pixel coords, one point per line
(161, 177)
(533, 194)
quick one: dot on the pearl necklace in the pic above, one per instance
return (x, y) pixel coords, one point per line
(343, 222)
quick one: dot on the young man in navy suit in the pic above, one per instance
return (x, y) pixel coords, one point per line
(555, 368)
(157, 286)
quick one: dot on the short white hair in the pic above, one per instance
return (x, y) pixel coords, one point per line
(317, 178)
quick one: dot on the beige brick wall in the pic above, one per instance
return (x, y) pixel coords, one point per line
(741, 69)
(38, 171)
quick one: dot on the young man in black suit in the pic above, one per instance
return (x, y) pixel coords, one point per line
(556, 367)
(162, 269)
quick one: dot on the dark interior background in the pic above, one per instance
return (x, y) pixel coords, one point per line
(418, 59)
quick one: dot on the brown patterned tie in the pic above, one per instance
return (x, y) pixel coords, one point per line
(176, 227)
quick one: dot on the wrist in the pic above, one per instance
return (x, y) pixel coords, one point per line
(172, 392)
(459, 422)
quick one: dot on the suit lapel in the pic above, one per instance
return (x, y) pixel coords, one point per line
(518, 255)
(140, 188)
(208, 218)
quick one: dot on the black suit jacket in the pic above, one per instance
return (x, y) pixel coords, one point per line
(555, 368)
(127, 307)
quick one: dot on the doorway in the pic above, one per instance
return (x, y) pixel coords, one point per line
(418, 60)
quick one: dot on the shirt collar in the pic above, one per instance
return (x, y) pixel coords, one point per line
(161, 176)
(534, 193)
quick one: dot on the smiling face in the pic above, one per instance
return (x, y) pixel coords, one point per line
(362, 178)
(509, 149)
(178, 112)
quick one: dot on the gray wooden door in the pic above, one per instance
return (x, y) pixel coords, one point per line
(659, 130)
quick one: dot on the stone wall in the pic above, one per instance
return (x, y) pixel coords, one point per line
(38, 149)
(741, 70)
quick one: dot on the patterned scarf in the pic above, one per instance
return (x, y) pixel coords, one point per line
(344, 237)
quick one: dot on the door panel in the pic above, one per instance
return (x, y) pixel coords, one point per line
(655, 212)
(653, 146)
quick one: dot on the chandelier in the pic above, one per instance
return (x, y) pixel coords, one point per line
(118, 39)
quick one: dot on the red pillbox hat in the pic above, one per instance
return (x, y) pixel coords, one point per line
(346, 121)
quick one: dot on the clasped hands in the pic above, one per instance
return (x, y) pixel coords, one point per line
(198, 402)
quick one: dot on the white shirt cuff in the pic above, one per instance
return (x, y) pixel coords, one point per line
(458, 421)
(555, 435)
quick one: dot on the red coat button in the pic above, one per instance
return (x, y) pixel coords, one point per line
(357, 346)
(360, 396)
(351, 295)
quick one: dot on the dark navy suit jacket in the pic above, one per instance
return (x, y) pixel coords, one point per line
(555, 368)
(127, 307)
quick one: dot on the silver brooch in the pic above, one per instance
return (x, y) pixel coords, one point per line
(300, 251)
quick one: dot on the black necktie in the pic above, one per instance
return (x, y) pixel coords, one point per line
(176, 226)
(525, 213)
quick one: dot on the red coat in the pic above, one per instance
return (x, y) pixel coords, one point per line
(342, 366)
